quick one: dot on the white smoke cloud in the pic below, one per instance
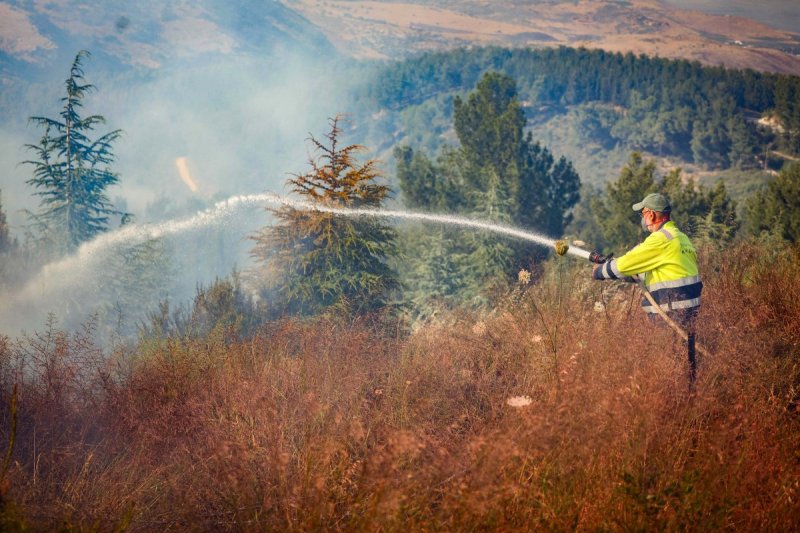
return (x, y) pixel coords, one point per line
(241, 121)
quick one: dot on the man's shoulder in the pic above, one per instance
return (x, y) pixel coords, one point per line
(668, 232)
(657, 238)
(675, 231)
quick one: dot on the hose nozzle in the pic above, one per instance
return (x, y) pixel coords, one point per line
(597, 257)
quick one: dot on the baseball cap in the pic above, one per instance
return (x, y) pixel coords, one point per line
(653, 201)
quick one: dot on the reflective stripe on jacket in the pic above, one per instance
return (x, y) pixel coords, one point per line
(669, 264)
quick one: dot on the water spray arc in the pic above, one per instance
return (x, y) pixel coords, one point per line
(429, 217)
(77, 269)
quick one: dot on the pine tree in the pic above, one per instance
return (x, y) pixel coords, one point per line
(547, 189)
(319, 262)
(489, 126)
(430, 267)
(498, 174)
(776, 209)
(621, 228)
(424, 184)
(708, 214)
(689, 202)
(719, 223)
(742, 142)
(72, 171)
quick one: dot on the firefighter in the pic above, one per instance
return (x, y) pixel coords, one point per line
(666, 262)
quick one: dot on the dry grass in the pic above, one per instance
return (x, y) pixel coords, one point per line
(329, 426)
(399, 29)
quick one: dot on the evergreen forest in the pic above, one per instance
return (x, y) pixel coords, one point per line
(701, 114)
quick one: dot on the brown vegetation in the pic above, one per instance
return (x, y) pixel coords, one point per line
(391, 29)
(334, 426)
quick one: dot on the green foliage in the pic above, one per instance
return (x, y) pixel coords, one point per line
(667, 107)
(787, 107)
(430, 269)
(743, 143)
(708, 214)
(619, 222)
(318, 262)
(223, 307)
(422, 184)
(776, 210)
(489, 125)
(498, 174)
(607, 220)
(71, 171)
(548, 189)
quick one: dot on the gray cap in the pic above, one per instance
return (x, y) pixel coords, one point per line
(655, 202)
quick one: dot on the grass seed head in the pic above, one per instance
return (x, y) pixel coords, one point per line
(519, 401)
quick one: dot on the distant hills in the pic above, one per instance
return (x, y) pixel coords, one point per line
(152, 34)
(391, 29)
(143, 36)
(237, 86)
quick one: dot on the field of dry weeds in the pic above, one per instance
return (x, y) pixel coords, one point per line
(324, 425)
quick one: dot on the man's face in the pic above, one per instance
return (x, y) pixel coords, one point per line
(648, 218)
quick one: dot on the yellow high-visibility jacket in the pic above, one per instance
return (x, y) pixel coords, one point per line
(668, 262)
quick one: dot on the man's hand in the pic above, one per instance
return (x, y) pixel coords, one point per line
(594, 269)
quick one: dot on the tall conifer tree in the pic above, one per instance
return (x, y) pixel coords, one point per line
(318, 261)
(499, 174)
(71, 170)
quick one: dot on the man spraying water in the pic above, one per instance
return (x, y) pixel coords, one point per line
(666, 262)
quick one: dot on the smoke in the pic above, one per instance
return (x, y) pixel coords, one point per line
(242, 123)
(62, 279)
(69, 282)
(238, 121)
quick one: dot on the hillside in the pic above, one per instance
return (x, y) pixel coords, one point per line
(595, 108)
(149, 34)
(392, 29)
